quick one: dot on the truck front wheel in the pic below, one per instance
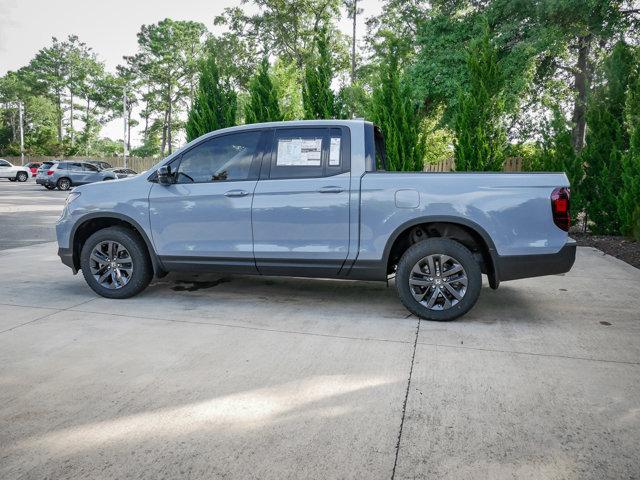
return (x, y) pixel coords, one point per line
(438, 279)
(115, 264)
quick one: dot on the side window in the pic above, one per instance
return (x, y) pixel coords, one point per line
(74, 166)
(90, 168)
(4, 163)
(62, 166)
(227, 157)
(298, 153)
(335, 161)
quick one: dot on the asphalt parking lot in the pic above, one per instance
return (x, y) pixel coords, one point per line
(250, 377)
(28, 213)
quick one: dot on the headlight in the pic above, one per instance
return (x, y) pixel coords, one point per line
(71, 197)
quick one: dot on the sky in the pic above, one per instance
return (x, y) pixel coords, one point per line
(108, 26)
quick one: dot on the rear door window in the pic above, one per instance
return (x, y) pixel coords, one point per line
(299, 153)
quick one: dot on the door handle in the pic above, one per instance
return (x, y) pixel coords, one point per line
(330, 189)
(236, 193)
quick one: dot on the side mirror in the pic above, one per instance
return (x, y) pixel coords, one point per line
(165, 177)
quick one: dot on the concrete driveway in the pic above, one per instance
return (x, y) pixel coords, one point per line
(241, 377)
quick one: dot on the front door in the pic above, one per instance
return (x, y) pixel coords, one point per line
(301, 204)
(203, 220)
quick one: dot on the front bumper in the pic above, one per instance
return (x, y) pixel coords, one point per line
(513, 267)
(66, 255)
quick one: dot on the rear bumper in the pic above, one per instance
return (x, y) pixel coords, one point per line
(66, 255)
(524, 266)
(43, 181)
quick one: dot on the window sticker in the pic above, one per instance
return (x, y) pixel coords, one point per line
(298, 152)
(334, 152)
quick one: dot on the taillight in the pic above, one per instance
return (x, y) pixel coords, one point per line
(560, 206)
(49, 172)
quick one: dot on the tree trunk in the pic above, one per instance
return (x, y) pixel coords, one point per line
(353, 43)
(582, 77)
(164, 133)
(87, 127)
(169, 139)
(59, 117)
(71, 118)
(128, 129)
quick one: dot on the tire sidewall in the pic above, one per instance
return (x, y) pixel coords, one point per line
(446, 247)
(142, 270)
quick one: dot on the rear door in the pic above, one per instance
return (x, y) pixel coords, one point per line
(301, 205)
(204, 219)
(91, 173)
(74, 171)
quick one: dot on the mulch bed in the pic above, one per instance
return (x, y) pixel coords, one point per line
(619, 247)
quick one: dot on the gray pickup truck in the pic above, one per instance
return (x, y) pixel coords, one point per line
(312, 199)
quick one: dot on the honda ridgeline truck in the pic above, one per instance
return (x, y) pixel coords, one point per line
(312, 199)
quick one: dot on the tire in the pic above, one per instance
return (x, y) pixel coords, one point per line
(22, 176)
(414, 266)
(12, 179)
(49, 187)
(141, 267)
(63, 184)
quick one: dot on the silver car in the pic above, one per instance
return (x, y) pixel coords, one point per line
(64, 175)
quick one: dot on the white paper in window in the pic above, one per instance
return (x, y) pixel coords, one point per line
(334, 152)
(299, 152)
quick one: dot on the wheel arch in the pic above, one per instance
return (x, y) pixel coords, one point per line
(88, 224)
(465, 231)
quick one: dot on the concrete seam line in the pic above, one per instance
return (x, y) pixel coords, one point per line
(56, 311)
(404, 403)
(30, 321)
(244, 327)
(515, 352)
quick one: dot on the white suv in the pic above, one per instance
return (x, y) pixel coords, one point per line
(12, 172)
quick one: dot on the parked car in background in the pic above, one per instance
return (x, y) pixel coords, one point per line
(33, 167)
(41, 174)
(64, 175)
(100, 164)
(123, 172)
(13, 172)
(313, 199)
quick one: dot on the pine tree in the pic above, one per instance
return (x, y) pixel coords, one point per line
(263, 102)
(393, 112)
(216, 103)
(317, 97)
(629, 198)
(606, 142)
(480, 136)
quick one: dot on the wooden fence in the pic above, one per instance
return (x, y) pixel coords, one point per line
(511, 164)
(139, 164)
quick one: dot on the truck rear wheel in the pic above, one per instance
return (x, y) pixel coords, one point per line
(438, 279)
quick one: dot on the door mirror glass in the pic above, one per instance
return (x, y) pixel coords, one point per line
(165, 177)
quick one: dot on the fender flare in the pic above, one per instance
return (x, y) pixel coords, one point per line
(158, 268)
(492, 269)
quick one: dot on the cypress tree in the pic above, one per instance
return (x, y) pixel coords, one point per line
(480, 136)
(606, 142)
(216, 103)
(263, 102)
(317, 97)
(629, 198)
(393, 112)
(558, 155)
